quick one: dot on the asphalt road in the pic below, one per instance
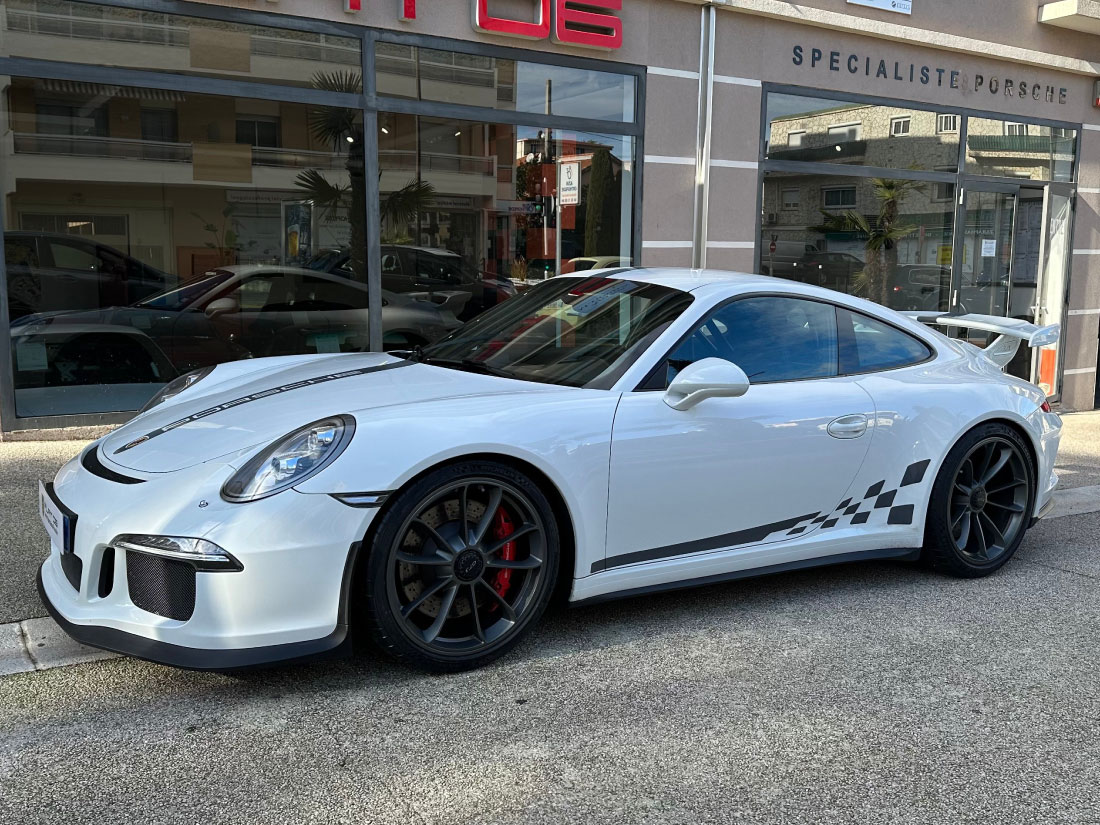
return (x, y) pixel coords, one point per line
(866, 693)
(869, 693)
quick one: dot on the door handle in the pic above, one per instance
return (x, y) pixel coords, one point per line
(848, 426)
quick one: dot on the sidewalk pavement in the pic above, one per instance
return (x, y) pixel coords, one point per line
(22, 464)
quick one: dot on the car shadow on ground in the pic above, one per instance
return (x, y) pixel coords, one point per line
(566, 630)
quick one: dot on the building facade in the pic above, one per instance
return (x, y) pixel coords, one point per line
(191, 183)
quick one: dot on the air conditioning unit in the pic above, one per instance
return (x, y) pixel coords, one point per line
(772, 219)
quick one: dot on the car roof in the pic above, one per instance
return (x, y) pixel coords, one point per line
(717, 284)
(691, 280)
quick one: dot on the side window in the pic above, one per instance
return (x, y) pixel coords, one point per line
(867, 345)
(770, 338)
(70, 256)
(20, 252)
(334, 296)
(391, 264)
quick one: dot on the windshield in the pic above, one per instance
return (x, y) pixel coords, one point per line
(573, 331)
(326, 260)
(181, 296)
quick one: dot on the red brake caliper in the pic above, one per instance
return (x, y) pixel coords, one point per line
(502, 528)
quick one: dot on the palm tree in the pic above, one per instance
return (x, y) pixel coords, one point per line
(882, 235)
(338, 127)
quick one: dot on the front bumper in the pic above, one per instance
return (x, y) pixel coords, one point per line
(191, 658)
(289, 601)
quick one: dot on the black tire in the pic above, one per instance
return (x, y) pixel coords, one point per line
(981, 503)
(426, 560)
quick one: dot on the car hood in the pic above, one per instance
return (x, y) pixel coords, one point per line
(244, 404)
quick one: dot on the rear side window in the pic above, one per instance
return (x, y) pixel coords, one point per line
(867, 345)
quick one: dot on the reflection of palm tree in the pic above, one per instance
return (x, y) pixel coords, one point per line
(332, 126)
(882, 235)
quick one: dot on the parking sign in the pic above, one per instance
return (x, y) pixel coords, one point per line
(569, 185)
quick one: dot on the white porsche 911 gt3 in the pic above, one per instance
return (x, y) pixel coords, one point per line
(614, 434)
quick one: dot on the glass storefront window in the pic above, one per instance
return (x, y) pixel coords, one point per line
(150, 232)
(139, 39)
(821, 130)
(469, 210)
(1022, 150)
(499, 83)
(889, 240)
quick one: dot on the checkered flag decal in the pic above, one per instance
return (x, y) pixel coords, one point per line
(859, 511)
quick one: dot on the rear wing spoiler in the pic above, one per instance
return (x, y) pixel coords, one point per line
(1010, 332)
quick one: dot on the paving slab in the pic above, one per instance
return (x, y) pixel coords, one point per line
(50, 646)
(13, 653)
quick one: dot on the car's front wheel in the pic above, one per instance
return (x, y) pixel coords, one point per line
(463, 563)
(981, 503)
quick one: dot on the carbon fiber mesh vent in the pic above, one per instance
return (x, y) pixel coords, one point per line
(162, 586)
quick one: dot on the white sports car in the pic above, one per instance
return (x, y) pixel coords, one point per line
(604, 435)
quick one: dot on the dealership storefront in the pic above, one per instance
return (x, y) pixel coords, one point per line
(190, 183)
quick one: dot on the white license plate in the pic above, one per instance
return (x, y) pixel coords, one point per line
(55, 521)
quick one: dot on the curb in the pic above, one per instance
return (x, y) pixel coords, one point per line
(39, 644)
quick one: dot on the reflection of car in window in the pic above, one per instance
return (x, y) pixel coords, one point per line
(62, 368)
(256, 311)
(435, 275)
(594, 262)
(48, 272)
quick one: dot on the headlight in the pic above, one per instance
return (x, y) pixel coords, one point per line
(291, 460)
(174, 388)
(205, 555)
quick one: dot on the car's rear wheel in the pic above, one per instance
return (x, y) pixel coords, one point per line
(463, 564)
(981, 503)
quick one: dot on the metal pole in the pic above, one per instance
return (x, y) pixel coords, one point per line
(557, 218)
(703, 138)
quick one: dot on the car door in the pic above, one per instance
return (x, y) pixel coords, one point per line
(738, 472)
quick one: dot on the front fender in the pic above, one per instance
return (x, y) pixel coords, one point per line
(566, 435)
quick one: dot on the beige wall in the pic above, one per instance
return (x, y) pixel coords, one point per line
(1011, 22)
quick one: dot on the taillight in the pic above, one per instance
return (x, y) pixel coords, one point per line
(1045, 406)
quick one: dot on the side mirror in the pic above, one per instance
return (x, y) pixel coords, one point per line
(708, 378)
(220, 307)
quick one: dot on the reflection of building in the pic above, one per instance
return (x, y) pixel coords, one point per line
(191, 135)
(178, 180)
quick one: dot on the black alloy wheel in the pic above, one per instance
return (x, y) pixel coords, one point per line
(462, 565)
(981, 502)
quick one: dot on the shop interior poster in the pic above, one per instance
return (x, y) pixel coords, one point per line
(297, 232)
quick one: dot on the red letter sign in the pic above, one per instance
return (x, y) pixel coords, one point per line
(539, 30)
(581, 23)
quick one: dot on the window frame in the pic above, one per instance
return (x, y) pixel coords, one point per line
(783, 206)
(906, 120)
(800, 133)
(852, 205)
(831, 131)
(644, 385)
(939, 123)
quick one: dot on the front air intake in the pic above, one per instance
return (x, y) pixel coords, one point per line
(161, 585)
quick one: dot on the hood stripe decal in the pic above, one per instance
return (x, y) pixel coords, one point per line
(236, 402)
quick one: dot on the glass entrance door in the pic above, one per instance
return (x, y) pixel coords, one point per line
(983, 259)
(1050, 294)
